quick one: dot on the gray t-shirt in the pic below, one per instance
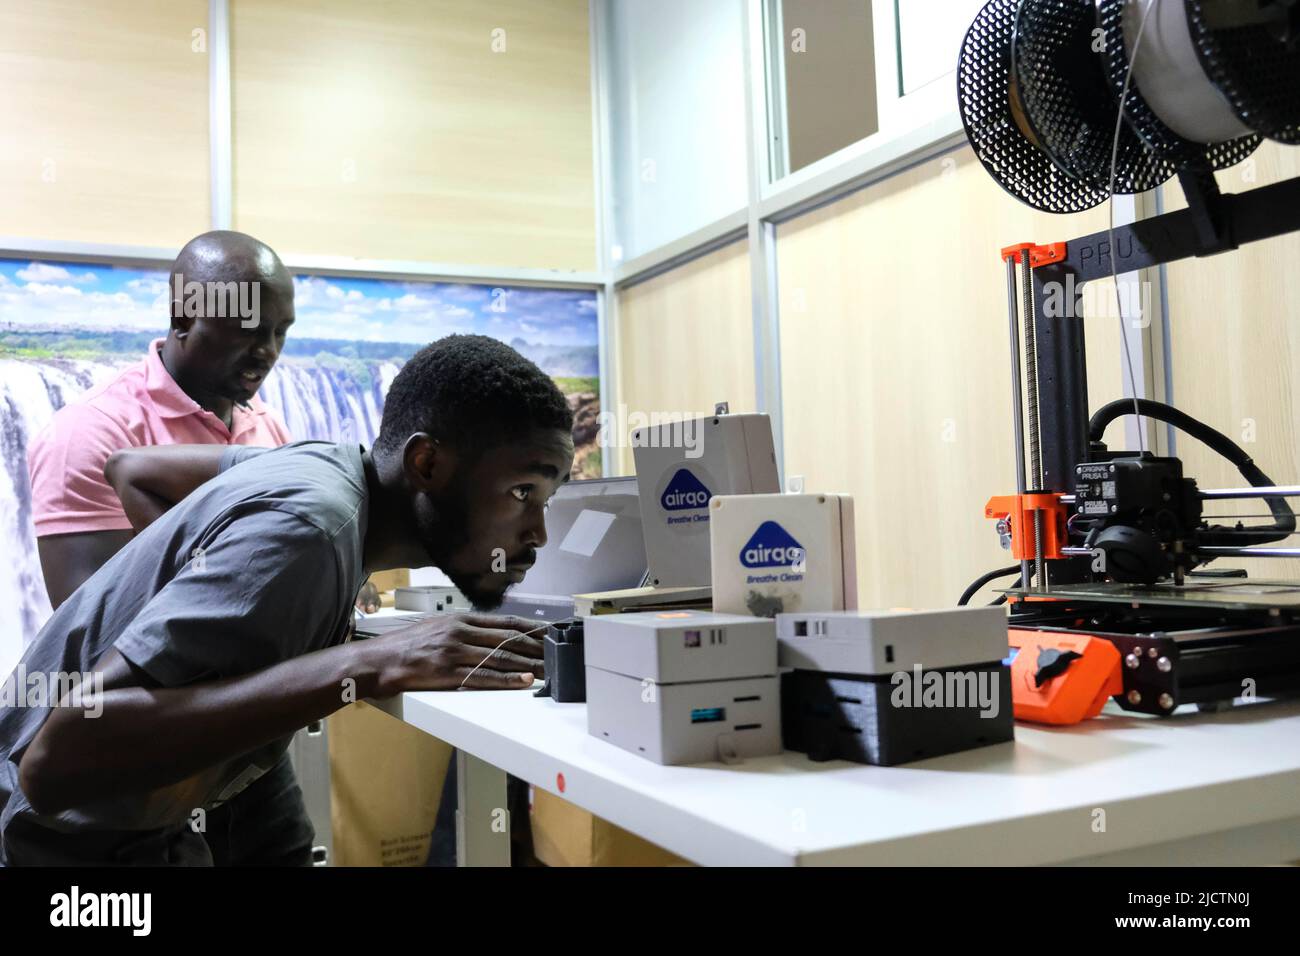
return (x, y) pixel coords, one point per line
(257, 566)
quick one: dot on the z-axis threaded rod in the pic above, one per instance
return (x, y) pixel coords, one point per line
(1031, 374)
(1031, 370)
(1017, 394)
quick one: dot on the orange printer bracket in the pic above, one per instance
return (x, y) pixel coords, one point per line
(1020, 510)
(1062, 678)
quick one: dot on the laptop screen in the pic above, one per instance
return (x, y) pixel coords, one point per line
(593, 541)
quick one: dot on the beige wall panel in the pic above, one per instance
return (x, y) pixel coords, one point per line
(896, 370)
(393, 131)
(104, 120)
(1235, 328)
(685, 340)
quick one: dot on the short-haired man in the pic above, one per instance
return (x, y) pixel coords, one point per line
(197, 386)
(236, 649)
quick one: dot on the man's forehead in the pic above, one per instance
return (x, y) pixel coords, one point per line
(547, 447)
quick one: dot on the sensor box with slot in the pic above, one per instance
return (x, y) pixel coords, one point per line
(881, 642)
(680, 687)
(680, 467)
(430, 598)
(889, 687)
(783, 553)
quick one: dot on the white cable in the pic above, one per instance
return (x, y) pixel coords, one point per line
(1110, 228)
(501, 645)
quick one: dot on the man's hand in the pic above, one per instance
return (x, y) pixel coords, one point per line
(73, 761)
(462, 651)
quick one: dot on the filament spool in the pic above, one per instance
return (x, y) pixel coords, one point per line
(1251, 52)
(996, 124)
(1039, 84)
(1172, 104)
(1059, 71)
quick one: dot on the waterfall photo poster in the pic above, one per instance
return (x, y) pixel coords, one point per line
(66, 327)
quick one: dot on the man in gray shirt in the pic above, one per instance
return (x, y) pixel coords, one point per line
(220, 630)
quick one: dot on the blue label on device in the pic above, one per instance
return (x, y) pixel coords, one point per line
(771, 547)
(685, 493)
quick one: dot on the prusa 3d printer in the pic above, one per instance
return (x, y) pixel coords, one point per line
(1068, 103)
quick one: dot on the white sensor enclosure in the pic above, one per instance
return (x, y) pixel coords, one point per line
(681, 687)
(879, 643)
(774, 554)
(680, 467)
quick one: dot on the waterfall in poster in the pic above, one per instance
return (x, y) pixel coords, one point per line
(334, 400)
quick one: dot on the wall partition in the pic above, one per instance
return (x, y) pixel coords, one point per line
(104, 121)
(449, 131)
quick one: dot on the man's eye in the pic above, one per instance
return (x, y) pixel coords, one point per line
(521, 492)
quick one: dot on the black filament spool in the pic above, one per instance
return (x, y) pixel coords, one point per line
(1003, 143)
(1069, 102)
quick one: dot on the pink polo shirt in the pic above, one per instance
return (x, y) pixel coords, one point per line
(141, 406)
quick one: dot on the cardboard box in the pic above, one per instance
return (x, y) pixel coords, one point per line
(386, 782)
(389, 581)
(565, 835)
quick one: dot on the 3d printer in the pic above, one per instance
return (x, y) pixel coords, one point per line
(1068, 103)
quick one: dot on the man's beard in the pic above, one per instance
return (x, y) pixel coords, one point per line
(443, 529)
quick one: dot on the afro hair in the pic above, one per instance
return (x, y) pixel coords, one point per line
(473, 392)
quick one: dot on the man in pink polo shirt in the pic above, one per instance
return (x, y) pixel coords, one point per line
(197, 386)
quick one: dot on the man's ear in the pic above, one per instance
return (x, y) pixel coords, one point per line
(427, 463)
(180, 324)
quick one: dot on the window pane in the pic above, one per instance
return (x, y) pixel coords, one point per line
(930, 35)
(677, 109)
(827, 74)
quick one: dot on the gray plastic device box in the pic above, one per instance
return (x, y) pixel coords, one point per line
(876, 643)
(680, 466)
(680, 687)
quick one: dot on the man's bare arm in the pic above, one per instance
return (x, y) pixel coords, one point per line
(145, 737)
(68, 560)
(149, 480)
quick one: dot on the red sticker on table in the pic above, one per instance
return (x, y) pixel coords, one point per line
(559, 782)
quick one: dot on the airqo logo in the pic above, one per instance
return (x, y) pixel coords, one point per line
(685, 493)
(771, 546)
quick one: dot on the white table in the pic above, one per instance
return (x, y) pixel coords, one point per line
(1189, 789)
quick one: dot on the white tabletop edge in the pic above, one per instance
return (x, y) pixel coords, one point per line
(1058, 833)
